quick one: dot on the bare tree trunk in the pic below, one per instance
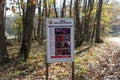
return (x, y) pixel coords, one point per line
(78, 27)
(42, 25)
(93, 33)
(3, 49)
(19, 33)
(23, 11)
(45, 6)
(71, 8)
(34, 33)
(39, 20)
(88, 19)
(62, 13)
(49, 9)
(98, 19)
(27, 31)
(84, 22)
(56, 15)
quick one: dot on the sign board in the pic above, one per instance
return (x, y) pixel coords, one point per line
(60, 39)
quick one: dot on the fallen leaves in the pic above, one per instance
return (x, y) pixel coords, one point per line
(99, 62)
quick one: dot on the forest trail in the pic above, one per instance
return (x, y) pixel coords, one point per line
(107, 63)
(98, 62)
(103, 60)
(114, 39)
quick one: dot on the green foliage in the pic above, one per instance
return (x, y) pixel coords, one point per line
(106, 18)
(83, 71)
(77, 60)
(17, 25)
(16, 72)
(51, 1)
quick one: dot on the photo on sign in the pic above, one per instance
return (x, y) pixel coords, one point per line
(66, 37)
(58, 44)
(62, 30)
(66, 30)
(57, 38)
(62, 41)
(66, 52)
(58, 52)
(66, 45)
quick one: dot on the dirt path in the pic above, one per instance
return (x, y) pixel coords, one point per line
(99, 62)
(114, 39)
(107, 63)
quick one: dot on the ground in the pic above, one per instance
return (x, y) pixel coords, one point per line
(92, 62)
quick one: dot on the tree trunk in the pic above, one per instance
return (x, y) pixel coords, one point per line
(19, 33)
(27, 31)
(45, 6)
(78, 27)
(93, 33)
(42, 25)
(88, 19)
(84, 20)
(3, 49)
(49, 9)
(63, 9)
(34, 34)
(56, 15)
(23, 11)
(71, 8)
(39, 20)
(98, 19)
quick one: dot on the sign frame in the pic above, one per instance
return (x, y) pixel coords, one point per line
(60, 29)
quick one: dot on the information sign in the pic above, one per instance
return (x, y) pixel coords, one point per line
(60, 39)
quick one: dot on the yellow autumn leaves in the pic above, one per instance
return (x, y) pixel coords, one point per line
(34, 2)
(13, 9)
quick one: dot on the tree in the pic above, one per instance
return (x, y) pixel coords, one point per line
(45, 6)
(20, 24)
(87, 18)
(84, 18)
(78, 27)
(70, 8)
(3, 49)
(54, 3)
(39, 20)
(27, 29)
(63, 9)
(98, 19)
(42, 25)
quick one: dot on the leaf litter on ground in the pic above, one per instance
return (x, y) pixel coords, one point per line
(96, 62)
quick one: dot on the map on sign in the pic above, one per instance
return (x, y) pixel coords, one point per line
(60, 39)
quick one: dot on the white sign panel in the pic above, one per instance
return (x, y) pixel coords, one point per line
(60, 39)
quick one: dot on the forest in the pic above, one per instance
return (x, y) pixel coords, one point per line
(23, 40)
